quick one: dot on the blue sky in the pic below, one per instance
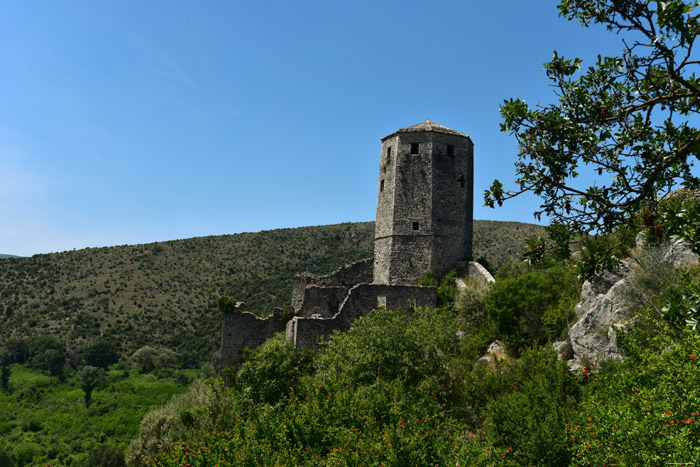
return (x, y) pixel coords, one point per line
(127, 122)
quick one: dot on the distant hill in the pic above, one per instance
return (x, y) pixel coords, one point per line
(7, 256)
(165, 293)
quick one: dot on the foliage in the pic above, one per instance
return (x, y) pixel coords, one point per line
(446, 287)
(623, 125)
(46, 353)
(537, 398)
(273, 371)
(534, 307)
(653, 273)
(470, 305)
(44, 421)
(90, 378)
(644, 410)
(682, 307)
(18, 351)
(105, 455)
(388, 345)
(149, 358)
(5, 370)
(102, 353)
(226, 304)
(198, 409)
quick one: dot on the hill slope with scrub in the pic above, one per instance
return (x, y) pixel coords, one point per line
(165, 293)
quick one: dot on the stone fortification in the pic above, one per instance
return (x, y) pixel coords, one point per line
(424, 203)
(241, 329)
(359, 272)
(360, 300)
(424, 222)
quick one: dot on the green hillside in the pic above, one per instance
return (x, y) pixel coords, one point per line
(2, 256)
(165, 293)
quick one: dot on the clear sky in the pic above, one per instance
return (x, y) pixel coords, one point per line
(127, 121)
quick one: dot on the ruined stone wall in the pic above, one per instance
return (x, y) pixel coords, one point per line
(351, 274)
(361, 300)
(322, 300)
(243, 329)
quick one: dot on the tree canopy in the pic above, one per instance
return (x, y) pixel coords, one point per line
(621, 132)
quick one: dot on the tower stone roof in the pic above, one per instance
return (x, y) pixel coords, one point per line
(427, 125)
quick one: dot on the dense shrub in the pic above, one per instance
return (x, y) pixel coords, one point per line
(149, 358)
(388, 345)
(199, 409)
(273, 371)
(105, 455)
(101, 354)
(46, 353)
(644, 410)
(535, 307)
(537, 397)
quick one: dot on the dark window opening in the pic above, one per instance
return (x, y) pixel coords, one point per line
(462, 182)
(450, 150)
(416, 226)
(381, 185)
(388, 152)
(414, 148)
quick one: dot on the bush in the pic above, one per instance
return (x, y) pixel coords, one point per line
(273, 371)
(526, 422)
(643, 411)
(7, 458)
(206, 404)
(101, 354)
(105, 455)
(149, 358)
(470, 305)
(388, 345)
(533, 308)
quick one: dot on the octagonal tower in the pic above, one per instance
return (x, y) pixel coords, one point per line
(424, 203)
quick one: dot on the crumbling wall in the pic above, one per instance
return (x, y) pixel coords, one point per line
(347, 276)
(322, 300)
(361, 299)
(242, 329)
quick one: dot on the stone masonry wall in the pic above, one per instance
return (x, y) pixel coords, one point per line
(323, 300)
(361, 300)
(358, 272)
(243, 329)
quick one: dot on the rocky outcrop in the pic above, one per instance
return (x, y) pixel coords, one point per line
(599, 314)
(602, 311)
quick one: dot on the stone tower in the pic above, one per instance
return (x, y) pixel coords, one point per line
(424, 203)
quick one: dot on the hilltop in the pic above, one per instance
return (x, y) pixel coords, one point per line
(165, 293)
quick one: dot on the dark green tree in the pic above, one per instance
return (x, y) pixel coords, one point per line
(101, 354)
(5, 361)
(105, 455)
(226, 304)
(19, 352)
(620, 133)
(90, 378)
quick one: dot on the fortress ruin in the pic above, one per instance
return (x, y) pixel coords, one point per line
(424, 222)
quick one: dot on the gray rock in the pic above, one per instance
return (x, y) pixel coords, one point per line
(563, 349)
(496, 347)
(486, 360)
(601, 307)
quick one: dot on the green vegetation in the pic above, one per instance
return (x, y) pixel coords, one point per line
(621, 132)
(399, 389)
(165, 294)
(88, 418)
